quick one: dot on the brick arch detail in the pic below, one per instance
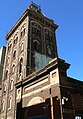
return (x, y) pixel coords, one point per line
(35, 100)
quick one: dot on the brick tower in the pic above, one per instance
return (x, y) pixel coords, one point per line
(31, 44)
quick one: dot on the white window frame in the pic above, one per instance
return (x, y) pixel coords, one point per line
(3, 105)
(10, 103)
(11, 84)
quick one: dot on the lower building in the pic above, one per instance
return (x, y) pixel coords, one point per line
(50, 94)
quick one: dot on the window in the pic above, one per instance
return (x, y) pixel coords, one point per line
(33, 30)
(14, 54)
(20, 67)
(4, 89)
(6, 75)
(49, 50)
(8, 60)
(38, 32)
(9, 103)
(18, 93)
(36, 29)
(23, 30)
(49, 42)
(36, 45)
(53, 74)
(48, 35)
(9, 46)
(11, 84)
(13, 68)
(22, 47)
(20, 76)
(3, 105)
(16, 39)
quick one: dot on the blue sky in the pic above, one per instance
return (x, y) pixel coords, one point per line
(68, 14)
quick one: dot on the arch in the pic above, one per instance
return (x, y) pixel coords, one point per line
(35, 22)
(35, 100)
(36, 41)
(48, 29)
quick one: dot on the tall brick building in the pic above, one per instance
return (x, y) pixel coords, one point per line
(2, 57)
(35, 83)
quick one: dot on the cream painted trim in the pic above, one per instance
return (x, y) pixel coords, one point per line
(35, 100)
(34, 85)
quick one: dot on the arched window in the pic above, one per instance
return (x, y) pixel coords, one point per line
(16, 39)
(36, 45)
(3, 105)
(6, 75)
(11, 84)
(10, 103)
(9, 46)
(13, 68)
(8, 60)
(23, 30)
(14, 54)
(48, 34)
(48, 50)
(36, 29)
(21, 47)
(4, 88)
(20, 67)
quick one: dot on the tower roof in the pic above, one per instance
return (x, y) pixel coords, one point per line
(33, 8)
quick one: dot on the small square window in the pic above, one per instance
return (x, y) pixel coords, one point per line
(53, 74)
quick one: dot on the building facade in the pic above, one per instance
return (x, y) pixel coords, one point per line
(2, 58)
(35, 83)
